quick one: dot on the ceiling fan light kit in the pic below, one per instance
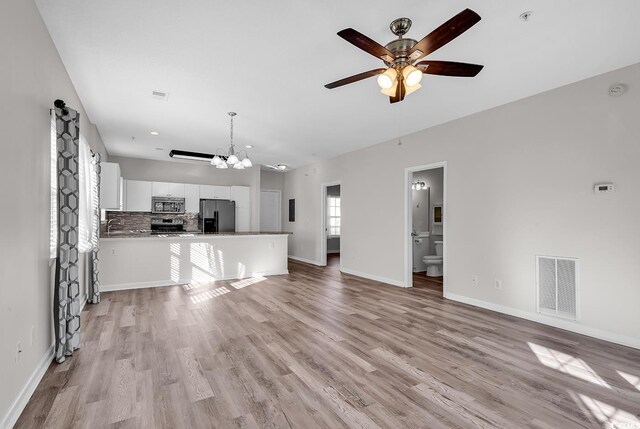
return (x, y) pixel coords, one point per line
(402, 74)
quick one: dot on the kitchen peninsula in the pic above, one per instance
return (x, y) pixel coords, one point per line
(131, 260)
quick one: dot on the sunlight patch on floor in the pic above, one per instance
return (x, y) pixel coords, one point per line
(631, 379)
(210, 294)
(610, 416)
(247, 282)
(566, 363)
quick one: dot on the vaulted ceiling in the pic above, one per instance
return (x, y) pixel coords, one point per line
(269, 60)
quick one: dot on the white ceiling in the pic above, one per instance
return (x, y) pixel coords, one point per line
(269, 60)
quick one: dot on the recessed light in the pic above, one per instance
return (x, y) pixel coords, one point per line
(159, 148)
(154, 133)
(249, 146)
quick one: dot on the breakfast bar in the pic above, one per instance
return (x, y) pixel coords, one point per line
(131, 260)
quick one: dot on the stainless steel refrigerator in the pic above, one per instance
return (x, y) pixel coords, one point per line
(217, 216)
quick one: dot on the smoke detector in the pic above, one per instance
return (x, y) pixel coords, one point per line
(617, 90)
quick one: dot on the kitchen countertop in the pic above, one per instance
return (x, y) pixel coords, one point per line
(182, 234)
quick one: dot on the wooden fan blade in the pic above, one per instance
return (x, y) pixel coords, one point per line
(444, 34)
(400, 93)
(366, 44)
(449, 68)
(354, 78)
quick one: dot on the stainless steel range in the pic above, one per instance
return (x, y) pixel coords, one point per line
(167, 225)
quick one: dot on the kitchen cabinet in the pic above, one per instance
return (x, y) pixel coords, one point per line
(243, 219)
(191, 198)
(213, 192)
(110, 186)
(242, 196)
(137, 196)
(164, 189)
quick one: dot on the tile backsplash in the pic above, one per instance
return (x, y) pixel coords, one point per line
(126, 221)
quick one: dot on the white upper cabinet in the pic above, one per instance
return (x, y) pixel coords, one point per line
(242, 196)
(110, 186)
(164, 189)
(191, 198)
(212, 192)
(138, 196)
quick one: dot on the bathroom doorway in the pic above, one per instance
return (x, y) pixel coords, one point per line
(425, 227)
(331, 224)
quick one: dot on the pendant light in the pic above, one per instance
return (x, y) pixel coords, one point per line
(231, 159)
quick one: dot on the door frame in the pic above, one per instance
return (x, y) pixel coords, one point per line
(279, 206)
(323, 221)
(408, 223)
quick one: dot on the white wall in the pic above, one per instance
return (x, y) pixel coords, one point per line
(271, 180)
(519, 180)
(192, 172)
(31, 78)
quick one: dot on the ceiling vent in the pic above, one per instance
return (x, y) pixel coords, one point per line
(557, 286)
(159, 95)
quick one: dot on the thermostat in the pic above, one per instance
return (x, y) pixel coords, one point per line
(604, 188)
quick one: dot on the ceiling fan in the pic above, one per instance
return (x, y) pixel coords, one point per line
(402, 75)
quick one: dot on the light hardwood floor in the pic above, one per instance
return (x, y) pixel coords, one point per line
(319, 349)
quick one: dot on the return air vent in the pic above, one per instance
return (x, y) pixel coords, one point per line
(557, 286)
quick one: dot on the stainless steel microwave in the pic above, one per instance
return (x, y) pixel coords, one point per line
(167, 205)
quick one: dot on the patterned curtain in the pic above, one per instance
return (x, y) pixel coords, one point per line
(93, 292)
(66, 304)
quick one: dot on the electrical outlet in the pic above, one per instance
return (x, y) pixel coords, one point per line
(18, 351)
(474, 280)
(497, 284)
(272, 245)
(113, 252)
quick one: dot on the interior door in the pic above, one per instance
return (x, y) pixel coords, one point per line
(270, 219)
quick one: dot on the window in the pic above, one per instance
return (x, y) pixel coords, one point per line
(53, 228)
(334, 216)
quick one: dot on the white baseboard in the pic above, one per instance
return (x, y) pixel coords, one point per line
(164, 283)
(373, 277)
(567, 325)
(306, 261)
(21, 401)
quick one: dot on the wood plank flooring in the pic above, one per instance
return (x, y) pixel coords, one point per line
(319, 349)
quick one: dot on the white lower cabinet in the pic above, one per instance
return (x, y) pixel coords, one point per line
(138, 196)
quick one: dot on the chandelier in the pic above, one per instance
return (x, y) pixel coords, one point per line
(232, 159)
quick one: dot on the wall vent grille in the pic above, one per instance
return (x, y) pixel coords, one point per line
(556, 282)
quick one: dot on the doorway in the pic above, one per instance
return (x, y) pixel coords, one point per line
(270, 206)
(425, 191)
(331, 230)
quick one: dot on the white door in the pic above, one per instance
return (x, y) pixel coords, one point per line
(270, 211)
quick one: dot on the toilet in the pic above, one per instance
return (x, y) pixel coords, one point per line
(434, 262)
